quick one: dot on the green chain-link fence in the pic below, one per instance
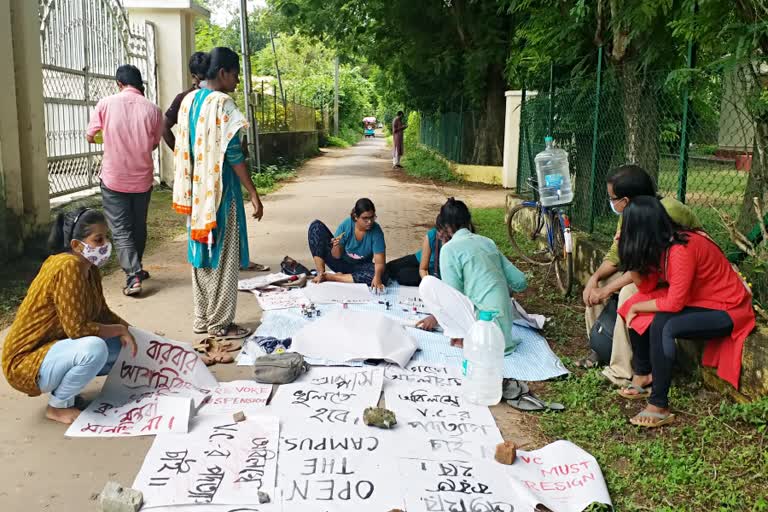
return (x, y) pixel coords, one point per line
(292, 115)
(694, 136)
(452, 134)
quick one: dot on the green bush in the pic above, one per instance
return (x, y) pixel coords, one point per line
(337, 142)
(421, 162)
(268, 180)
(412, 133)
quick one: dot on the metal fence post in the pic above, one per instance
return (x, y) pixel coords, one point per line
(682, 169)
(521, 146)
(551, 115)
(593, 172)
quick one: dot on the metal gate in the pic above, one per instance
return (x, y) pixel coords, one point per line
(83, 42)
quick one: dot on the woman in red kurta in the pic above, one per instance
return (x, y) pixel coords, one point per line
(688, 289)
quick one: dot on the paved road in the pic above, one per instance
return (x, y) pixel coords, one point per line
(43, 470)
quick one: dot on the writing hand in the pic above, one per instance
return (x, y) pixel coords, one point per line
(335, 242)
(258, 208)
(428, 324)
(319, 278)
(377, 286)
(126, 340)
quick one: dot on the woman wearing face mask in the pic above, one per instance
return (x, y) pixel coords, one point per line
(64, 334)
(623, 185)
(410, 270)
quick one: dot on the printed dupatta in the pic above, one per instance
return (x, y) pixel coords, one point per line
(197, 185)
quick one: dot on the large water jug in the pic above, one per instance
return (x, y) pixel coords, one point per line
(553, 175)
(483, 361)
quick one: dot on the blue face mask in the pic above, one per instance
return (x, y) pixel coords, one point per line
(613, 208)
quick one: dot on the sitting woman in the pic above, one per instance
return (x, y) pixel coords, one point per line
(409, 270)
(64, 334)
(357, 252)
(475, 275)
(701, 297)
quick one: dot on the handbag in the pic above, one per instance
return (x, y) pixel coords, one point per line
(291, 267)
(601, 335)
(279, 368)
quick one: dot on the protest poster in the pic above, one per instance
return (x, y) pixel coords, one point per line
(218, 462)
(338, 469)
(338, 293)
(449, 486)
(129, 404)
(424, 374)
(561, 476)
(329, 395)
(440, 423)
(255, 283)
(280, 298)
(238, 395)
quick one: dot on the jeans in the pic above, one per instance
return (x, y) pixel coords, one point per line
(71, 364)
(405, 270)
(654, 351)
(127, 218)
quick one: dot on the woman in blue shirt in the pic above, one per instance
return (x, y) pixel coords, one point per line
(409, 270)
(356, 253)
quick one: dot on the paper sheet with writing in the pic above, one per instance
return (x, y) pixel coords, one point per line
(327, 293)
(335, 396)
(424, 374)
(218, 462)
(253, 283)
(239, 395)
(560, 476)
(338, 469)
(439, 423)
(446, 486)
(129, 403)
(280, 298)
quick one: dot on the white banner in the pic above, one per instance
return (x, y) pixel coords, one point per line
(129, 404)
(218, 462)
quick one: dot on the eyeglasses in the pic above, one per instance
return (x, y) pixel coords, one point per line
(614, 199)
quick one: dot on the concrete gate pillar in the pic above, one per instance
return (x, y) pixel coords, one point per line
(512, 137)
(175, 41)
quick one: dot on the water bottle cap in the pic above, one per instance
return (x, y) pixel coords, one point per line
(487, 316)
(548, 139)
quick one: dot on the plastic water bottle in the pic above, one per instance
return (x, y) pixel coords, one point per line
(553, 175)
(483, 361)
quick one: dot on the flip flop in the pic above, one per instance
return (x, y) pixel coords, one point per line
(640, 392)
(257, 267)
(513, 389)
(663, 419)
(132, 286)
(531, 403)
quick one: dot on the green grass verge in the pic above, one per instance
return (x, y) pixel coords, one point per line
(271, 177)
(714, 457)
(421, 162)
(337, 142)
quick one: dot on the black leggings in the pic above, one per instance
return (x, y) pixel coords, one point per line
(654, 351)
(405, 270)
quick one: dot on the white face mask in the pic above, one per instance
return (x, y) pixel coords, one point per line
(97, 255)
(613, 208)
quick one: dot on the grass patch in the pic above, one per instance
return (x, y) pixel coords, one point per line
(421, 162)
(271, 177)
(337, 142)
(714, 457)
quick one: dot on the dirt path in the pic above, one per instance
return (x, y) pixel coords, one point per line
(43, 470)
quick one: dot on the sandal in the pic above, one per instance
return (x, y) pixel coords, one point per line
(591, 361)
(132, 286)
(233, 332)
(661, 419)
(639, 392)
(257, 267)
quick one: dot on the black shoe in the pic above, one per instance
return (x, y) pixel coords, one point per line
(143, 275)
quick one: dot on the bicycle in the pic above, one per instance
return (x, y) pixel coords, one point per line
(551, 247)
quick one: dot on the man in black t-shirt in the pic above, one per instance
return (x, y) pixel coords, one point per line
(198, 67)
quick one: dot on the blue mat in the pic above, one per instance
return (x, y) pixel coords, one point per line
(532, 360)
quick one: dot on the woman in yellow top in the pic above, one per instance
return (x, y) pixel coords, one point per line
(64, 334)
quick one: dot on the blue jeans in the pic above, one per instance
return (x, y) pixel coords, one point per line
(71, 364)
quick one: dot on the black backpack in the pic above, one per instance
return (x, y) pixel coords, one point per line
(601, 335)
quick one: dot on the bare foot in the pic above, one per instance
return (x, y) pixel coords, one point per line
(66, 416)
(457, 342)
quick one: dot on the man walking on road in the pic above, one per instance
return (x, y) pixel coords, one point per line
(397, 139)
(131, 128)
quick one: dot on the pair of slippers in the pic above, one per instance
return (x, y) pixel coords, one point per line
(215, 351)
(517, 395)
(645, 419)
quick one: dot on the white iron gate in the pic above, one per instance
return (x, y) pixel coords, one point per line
(83, 43)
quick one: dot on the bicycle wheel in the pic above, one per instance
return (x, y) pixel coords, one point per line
(527, 234)
(562, 248)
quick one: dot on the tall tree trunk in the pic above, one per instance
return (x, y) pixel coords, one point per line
(641, 118)
(756, 183)
(489, 137)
